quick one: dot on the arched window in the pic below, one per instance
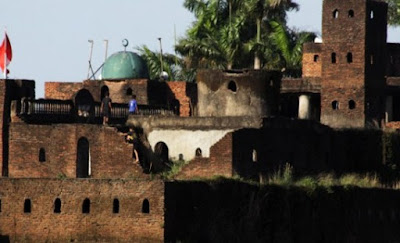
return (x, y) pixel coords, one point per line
(232, 86)
(27, 206)
(86, 206)
(57, 205)
(333, 57)
(116, 205)
(83, 158)
(316, 57)
(349, 57)
(42, 155)
(335, 14)
(129, 91)
(335, 105)
(146, 206)
(84, 103)
(161, 150)
(198, 152)
(351, 13)
(352, 104)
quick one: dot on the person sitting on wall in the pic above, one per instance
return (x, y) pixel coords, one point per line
(105, 108)
(133, 109)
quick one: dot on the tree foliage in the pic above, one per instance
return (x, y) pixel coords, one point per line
(394, 12)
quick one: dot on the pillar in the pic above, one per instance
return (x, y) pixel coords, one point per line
(304, 107)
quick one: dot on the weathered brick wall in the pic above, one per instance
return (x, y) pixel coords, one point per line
(179, 92)
(71, 225)
(110, 157)
(219, 163)
(117, 89)
(61, 90)
(311, 60)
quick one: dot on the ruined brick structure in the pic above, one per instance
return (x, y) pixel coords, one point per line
(66, 177)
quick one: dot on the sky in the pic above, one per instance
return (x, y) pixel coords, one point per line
(50, 37)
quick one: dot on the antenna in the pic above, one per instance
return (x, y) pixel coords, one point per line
(90, 58)
(161, 60)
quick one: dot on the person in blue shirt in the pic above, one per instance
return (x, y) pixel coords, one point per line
(133, 109)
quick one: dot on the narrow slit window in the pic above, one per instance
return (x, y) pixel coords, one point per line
(371, 58)
(42, 155)
(335, 14)
(86, 206)
(57, 205)
(333, 57)
(349, 57)
(316, 58)
(352, 104)
(254, 156)
(27, 206)
(0, 205)
(371, 14)
(116, 205)
(351, 13)
(146, 206)
(335, 105)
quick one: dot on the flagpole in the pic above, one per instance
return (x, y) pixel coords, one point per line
(5, 54)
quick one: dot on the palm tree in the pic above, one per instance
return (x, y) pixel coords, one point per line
(289, 45)
(266, 10)
(172, 64)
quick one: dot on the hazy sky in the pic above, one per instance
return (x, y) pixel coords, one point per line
(50, 37)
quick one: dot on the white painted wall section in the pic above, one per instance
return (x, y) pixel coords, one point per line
(186, 142)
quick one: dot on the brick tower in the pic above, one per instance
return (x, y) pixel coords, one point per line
(353, 62)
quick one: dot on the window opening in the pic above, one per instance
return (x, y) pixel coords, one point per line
(57, 205)
(198, 152)
(352, 104)
(146, 206)
(0, 205)
(349, 57)
(42, 155)
(86, 206)
(351, 13)
(333, 57)
(129, 91)
(316, 57)
(371, 14)
(372, 59)
(27, 206)
(232, 86)
(116, 205)
(335, 105)
(83, 158)
(161, 150)
(335, 14)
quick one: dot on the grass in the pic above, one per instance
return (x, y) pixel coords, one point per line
(285, 177)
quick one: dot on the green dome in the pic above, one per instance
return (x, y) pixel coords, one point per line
(124, 65)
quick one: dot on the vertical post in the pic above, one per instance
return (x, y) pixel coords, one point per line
(161, 59)
(90, 58)
(106, 44)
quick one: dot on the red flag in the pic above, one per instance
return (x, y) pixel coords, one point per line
(5, 53)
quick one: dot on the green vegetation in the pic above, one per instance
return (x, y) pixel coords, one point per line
(393, 12)
(176, 167)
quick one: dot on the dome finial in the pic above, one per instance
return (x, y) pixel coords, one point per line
(125, 43)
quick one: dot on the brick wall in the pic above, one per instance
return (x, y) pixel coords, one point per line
(179, 92)
(219, 163)
(311, 60)
(110, 156)
(118, 90)
(71, 225)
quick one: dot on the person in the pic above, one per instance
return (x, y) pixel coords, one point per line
(133, 109)
(105, 108)
(131, 138)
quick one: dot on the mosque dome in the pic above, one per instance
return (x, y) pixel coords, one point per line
(124, 65)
